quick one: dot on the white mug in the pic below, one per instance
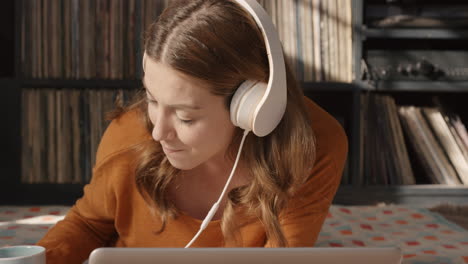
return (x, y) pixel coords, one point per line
(22, 255)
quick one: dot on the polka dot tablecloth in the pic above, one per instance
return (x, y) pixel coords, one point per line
(423, 236)
(20, 225)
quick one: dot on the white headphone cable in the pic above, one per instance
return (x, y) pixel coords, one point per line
(215, 206)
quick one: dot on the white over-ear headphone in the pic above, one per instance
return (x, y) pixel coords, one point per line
(258, 106)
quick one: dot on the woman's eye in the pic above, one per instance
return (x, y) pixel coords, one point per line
(151, 101)
(186, 121)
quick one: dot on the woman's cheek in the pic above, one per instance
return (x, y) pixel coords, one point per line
(195, 135)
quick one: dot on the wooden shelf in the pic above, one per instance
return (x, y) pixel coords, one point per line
(41, 194)
(328, 87)
(403, 33)
(71, 83)
(81, 83)
(420, 195)
(355, 86)
(422, 86)
(130, 84)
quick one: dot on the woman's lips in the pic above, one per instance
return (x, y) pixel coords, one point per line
(168, 150)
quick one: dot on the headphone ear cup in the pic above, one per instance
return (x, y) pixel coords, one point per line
(237, 98)
(246, 103)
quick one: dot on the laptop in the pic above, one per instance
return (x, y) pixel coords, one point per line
(245, 255)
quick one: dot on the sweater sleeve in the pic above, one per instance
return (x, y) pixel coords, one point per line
(88, 225)
(90, 222)
(302, 219)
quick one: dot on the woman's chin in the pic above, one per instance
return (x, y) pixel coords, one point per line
(181, 165)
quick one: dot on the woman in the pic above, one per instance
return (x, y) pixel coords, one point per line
(164, 160)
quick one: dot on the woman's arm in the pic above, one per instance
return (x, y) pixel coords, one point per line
(89, 224)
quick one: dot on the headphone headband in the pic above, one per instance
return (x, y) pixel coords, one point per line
(272, 105)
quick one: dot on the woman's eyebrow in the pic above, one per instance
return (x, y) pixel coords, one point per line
(175, 106)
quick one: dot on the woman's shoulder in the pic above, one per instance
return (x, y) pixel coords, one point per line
(123, 133)
(331, 153)
(331, 139)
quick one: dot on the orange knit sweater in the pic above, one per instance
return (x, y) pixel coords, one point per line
(113, 213)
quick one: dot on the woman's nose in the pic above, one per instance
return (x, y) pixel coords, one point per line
(163, 129)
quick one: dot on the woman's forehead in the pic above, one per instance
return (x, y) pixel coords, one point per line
(169, 86)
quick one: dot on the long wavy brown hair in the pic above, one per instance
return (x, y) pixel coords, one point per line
(218, 42)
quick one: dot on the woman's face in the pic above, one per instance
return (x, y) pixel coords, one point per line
(192, 125)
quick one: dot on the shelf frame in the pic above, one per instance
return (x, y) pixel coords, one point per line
(410, 33)
(41, 194)
(417, 195)
(423, 86)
